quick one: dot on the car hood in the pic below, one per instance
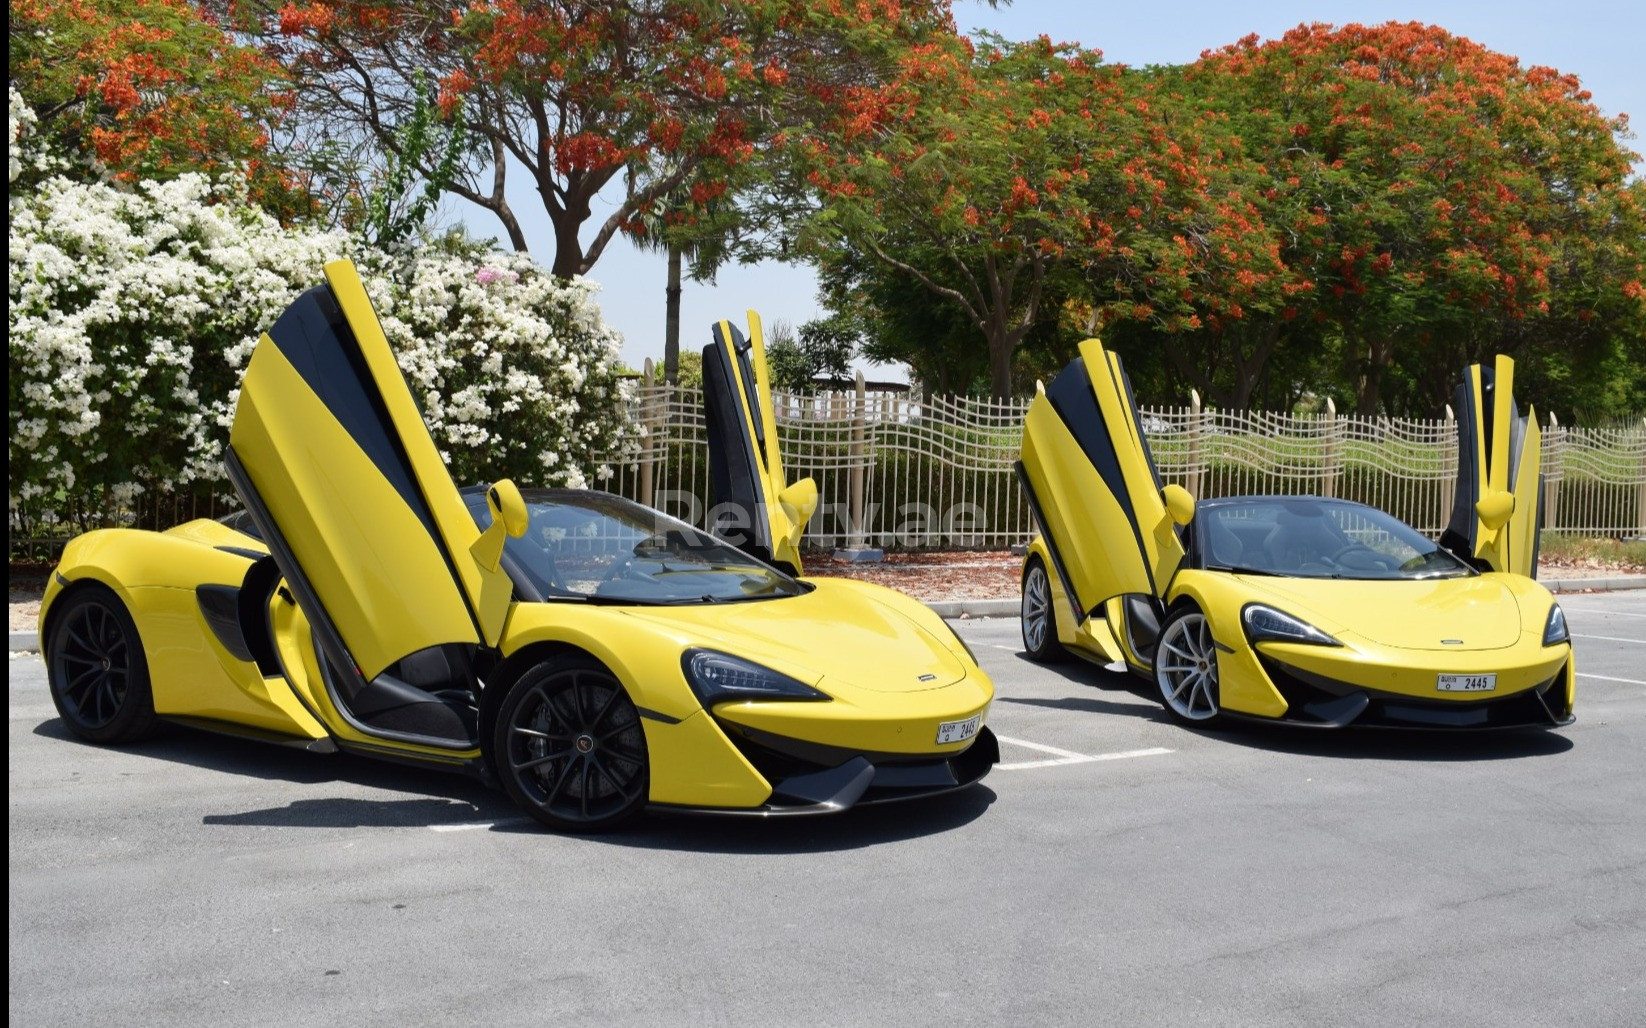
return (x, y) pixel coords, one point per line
(817, 636)
(1479, 612)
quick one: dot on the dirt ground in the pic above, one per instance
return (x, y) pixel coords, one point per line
(931, 577)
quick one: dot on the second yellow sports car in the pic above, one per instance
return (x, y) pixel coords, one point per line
(1309, 610)
(591, 656)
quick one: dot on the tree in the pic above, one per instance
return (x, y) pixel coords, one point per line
(649, 95)
(1432, 200)
(966, 172)
(151, 89)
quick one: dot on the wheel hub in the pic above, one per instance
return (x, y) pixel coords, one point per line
(584, 743)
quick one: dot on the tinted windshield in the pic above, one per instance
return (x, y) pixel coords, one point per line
(1315, 538)
(597, 546)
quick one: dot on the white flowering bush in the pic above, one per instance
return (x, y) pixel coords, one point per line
(133, 311)
(516, 370)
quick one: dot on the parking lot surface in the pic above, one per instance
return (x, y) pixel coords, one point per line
(1113, 869)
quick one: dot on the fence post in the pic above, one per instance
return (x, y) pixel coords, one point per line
(857, 546)
(1448, 472)
(647, 373)
(1191, 476)
(1640, 489)
(1551, 482)
(1329, 455)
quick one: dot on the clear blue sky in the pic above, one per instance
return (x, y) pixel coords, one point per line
(1600, 41)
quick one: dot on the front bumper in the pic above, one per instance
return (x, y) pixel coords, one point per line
(810, 779)
(1316, 700)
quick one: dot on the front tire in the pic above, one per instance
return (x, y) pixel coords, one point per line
(96, 668)
(1185, 669)
(569, 748)
(1039, 619)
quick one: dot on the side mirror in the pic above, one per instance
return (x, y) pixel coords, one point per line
(1179, 504)
(1494, 509)
(799, 500)
(508, 510)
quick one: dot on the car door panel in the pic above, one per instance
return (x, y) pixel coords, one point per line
(1499, 454)
(753, 506)
(1093, 486)
(328, 447)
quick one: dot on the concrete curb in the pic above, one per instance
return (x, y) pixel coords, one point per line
(1581, 585)
(29, 642)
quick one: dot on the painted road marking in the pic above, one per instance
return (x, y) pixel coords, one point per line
(470, 826)
(1609, 678)
(1608, 638)
(1068, 756)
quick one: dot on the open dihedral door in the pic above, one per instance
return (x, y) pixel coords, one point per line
(1497, 508)
(1092, 486)
(751, 505)
(335, 464)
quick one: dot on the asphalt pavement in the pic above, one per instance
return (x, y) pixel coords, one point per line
(1114, 869)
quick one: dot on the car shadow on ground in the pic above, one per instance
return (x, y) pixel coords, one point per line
(427, 798)
(1139, 700)
(1127, 694)
(1406, 744)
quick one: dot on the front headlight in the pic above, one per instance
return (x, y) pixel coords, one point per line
(720, 677)
(1266, 624)
(1554, 629)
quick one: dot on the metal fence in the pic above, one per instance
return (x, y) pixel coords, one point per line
(898, 472)
(895, 471)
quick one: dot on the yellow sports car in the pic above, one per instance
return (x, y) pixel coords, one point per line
(1308, 610)
(589, 655)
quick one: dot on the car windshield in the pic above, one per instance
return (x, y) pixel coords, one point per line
(1305, 537)
(594, 546)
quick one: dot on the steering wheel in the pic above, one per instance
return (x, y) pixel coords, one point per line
(1381, 560)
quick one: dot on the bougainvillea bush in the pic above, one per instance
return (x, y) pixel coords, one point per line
(133, 310)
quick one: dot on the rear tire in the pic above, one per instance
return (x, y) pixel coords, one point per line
(96, 668)
(569, 748)
(1039, 619)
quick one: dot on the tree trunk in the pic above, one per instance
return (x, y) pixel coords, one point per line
(1369, 382)
(1000, 363)
(671, 319)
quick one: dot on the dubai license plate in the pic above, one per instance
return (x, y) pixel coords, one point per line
(1466, 683)
(958, 731)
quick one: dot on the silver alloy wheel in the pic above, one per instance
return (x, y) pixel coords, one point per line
(1037, 609)
(1185, 667)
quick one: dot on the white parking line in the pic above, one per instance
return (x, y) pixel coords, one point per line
(1608, 638)
(1609, 678)
(470, 826)
(1067, 756)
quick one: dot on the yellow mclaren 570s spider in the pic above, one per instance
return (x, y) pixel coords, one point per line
(1303, 609)
(589, 655)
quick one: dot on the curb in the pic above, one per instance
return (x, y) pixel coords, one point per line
(976, 608)
(29, 642)
(1586, 585)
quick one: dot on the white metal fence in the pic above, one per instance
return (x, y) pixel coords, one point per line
(895, 471)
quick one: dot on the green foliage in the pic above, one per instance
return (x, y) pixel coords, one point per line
(400, 205)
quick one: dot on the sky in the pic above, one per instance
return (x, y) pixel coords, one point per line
(1600, 41)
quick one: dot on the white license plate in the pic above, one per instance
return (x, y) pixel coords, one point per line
(958, 731)
(1466, 683)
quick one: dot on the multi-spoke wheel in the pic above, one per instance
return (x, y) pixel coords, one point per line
(569, 747)
(1185, 668)
(1039, 620)
(95, 664)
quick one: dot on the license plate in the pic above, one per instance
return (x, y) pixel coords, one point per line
(1466, 683)
(958, 731)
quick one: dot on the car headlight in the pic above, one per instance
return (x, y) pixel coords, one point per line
(1554, 629)
(1266, 624)
(720, 677)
